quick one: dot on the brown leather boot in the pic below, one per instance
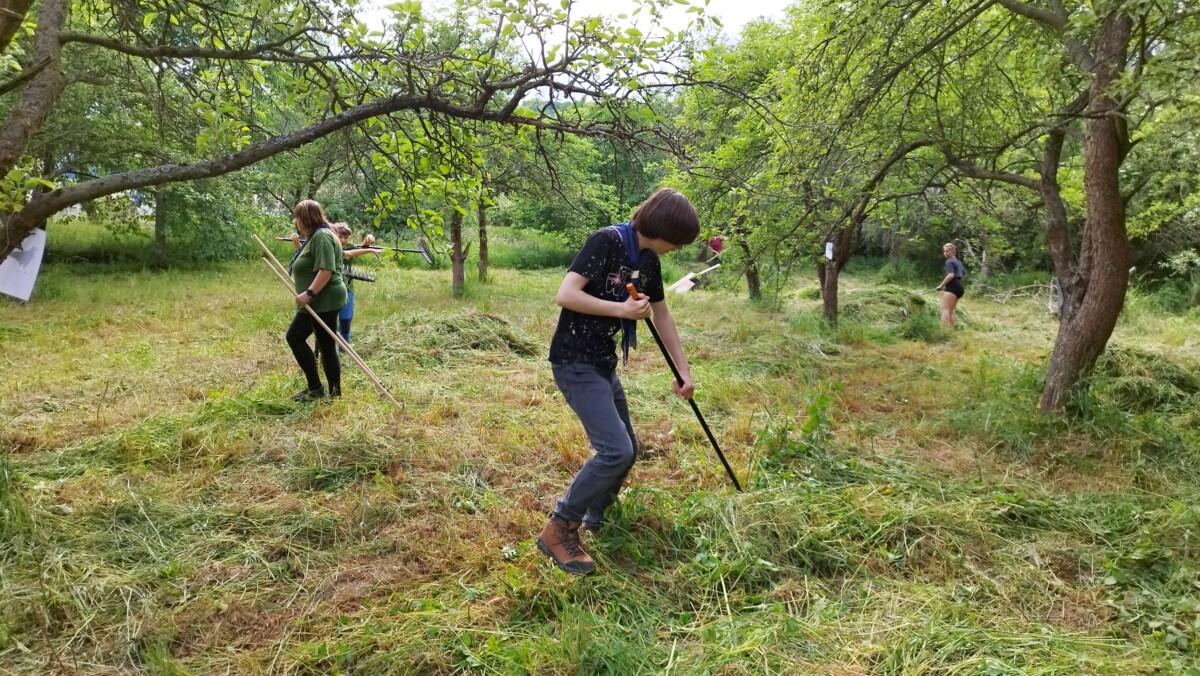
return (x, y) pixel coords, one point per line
(559, 540)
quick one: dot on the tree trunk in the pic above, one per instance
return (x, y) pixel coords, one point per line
(844, 241)
(30, 110)
(160, 226)
(741, 236)
(846, 238)
(483, 243)
(895, 245)
(12, 13)
(979, 258)
(753, 281)
(985, 268)
(39, 96)
(1090, 313)
(829, 291)
(1058, 234)
(457, 253)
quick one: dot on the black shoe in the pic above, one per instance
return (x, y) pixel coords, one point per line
(308, 395)
(335, 393)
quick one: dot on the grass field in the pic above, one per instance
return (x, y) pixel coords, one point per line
(167, 509)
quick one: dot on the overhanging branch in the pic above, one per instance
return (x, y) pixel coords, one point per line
(171, 173)
(270, 51)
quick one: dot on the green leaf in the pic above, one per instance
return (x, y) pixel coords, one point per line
(148, 19)
(34, 181)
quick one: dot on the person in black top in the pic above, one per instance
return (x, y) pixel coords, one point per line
(583, 356)
(952, 284)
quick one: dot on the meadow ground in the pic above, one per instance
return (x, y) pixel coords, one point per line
(167, 509)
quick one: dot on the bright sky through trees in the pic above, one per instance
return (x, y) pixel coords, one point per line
(734, 14)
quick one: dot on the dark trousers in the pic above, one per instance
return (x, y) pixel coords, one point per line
(302, 327)
(596, 396)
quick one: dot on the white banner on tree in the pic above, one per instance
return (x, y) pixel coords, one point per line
(20, 270)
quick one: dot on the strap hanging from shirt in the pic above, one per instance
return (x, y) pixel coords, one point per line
(628, 326)
(303, 243)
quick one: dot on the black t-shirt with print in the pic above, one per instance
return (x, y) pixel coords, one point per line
(590, 338)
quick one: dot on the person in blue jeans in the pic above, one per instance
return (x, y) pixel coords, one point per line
(583, 357)
(342, 230)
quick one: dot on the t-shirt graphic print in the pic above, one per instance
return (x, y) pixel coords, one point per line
(602, 260)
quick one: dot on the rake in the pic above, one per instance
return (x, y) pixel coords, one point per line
(421, 249)
(688, 281)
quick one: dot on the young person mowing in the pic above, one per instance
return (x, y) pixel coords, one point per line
(583, 357)
(342, 230)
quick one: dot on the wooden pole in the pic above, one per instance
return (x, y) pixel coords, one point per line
(279, 271)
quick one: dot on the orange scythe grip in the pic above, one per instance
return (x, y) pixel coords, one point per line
(632, 291)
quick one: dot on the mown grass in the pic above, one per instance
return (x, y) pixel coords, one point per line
(167, 509)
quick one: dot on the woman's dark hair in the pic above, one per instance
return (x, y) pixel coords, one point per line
(311, 216)
(667, 215)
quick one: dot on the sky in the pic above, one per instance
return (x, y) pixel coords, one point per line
(733, 13)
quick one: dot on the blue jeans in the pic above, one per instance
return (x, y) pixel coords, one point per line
(344, 317)
(596, 396)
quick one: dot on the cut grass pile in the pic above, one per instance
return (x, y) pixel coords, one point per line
(429, 339)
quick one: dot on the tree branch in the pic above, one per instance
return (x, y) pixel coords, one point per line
(59, 199)
(270, 51)
(1050, 19)
(1056, 21)
(973, 170)
(25, 76)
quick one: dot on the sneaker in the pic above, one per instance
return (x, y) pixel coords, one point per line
(559, 540)
(307, 395)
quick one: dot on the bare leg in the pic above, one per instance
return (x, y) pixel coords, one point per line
(949, 302)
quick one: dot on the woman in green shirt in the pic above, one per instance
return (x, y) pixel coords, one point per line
(317, 270)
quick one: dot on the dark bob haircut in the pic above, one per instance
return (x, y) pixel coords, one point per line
(667, 215)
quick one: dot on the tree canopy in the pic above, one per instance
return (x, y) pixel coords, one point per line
(1033, 133)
